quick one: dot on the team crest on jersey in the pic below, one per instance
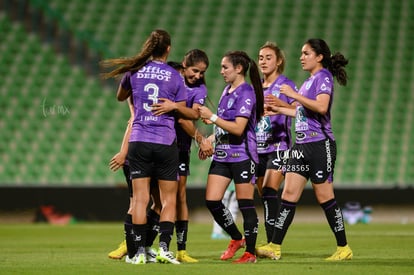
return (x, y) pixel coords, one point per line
(276, 91)
(230, 103)
(309, 84)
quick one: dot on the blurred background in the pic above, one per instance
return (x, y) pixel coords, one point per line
(60, 123)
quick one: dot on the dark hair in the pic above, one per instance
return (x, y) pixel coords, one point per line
(194, 57)
(334, 63)
(279, 55)
(155, 46)
(176, 65)
(241, 58)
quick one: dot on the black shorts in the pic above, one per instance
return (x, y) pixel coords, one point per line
(146, 159)
(314, 161)
(240, 172)
(127, 174)
(184, 166)
(275, 160)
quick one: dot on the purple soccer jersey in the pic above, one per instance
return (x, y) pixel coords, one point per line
(273, 132)
(240, 103)
(155, 80)
(311, 126)
(195, 95)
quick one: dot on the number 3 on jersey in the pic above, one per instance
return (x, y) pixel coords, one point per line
(152, 90)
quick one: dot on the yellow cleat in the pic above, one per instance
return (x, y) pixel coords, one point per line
(183, 257)
(120, 252)
(270, 250)
(342, 253)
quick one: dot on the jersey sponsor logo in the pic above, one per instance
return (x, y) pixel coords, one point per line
(243, 110)
(220, 154)
(261, 146)
(328, 156)
(300, 136)
(264, 125)
(152, 72)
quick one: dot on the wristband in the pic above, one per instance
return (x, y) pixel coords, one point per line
(213, 118)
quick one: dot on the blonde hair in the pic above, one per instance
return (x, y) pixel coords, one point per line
(279, 55)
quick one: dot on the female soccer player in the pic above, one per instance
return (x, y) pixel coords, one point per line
(314, 153)
(152, 144)
(193, 68)
(235, 155)
(272, 134)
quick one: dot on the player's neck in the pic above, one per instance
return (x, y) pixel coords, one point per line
(269, 79)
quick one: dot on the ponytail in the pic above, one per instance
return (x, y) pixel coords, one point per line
(334, 63)
(258, 89)
(155, 46)
(241, 58)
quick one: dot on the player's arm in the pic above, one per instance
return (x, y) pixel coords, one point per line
(165, 105)
(235, 127)
(319, 105)
(119, 158)
(122, 94)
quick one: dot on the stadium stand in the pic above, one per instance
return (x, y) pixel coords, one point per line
(60, 123)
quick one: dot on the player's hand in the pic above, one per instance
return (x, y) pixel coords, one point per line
(117, 161)
(206, 147)
(205, 114)
(287, 90)
(163, 106)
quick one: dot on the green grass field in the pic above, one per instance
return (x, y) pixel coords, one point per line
(82, 249)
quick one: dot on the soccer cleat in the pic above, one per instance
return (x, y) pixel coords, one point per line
(166, 257)
(234, 245)
(129, 260)
(246, 258)
(120, 252)
(270, 250)
(183, 257)
(151, 254)
(342, 253)
(139, 259)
